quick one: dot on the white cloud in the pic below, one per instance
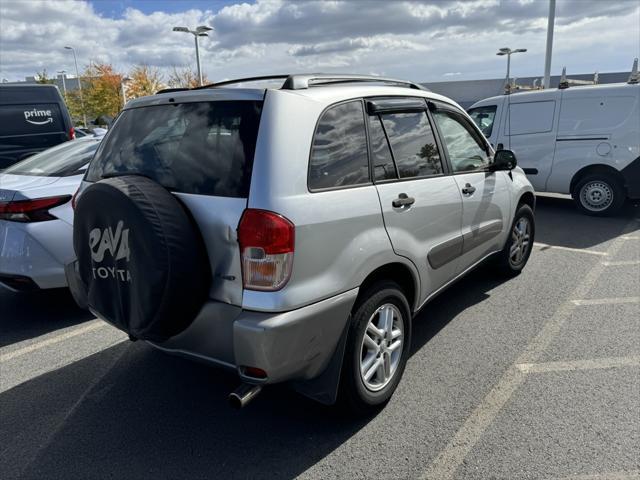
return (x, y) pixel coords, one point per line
(417, 40)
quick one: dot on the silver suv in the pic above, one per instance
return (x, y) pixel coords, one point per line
(292, 233)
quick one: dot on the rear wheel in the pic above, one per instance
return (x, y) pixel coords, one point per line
(377, 348)
(599, 194)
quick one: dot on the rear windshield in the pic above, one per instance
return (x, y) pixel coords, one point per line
(69, 158)
(30, 119)
(203, 147)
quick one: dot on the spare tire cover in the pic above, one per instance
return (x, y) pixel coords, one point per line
(141, 257)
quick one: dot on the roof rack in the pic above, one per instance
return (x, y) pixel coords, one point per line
(304, 81)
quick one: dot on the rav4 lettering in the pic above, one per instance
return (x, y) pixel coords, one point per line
(117, 244)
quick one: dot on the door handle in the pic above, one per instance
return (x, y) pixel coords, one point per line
(403, 200)
(468, 189)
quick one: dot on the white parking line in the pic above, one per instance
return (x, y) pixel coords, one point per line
(630, 237)
(621, 263)
(629, 475)
(451, 457)
(605, 301)
(93, 325)
(587, 364)
(546, 246)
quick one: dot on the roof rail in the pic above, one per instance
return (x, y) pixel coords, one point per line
(169, 90)
(635, 76)
(304, 81)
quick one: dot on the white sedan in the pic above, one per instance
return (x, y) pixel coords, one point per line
(36, 216)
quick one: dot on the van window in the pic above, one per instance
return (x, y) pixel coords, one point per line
(530, 117)
(381, 159)
(201, 147)
(483, 118)
(593, 114)
(466, 153)
(30, 119)
(413, 144)
(339, 153)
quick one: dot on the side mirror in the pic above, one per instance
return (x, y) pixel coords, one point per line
(504, 160)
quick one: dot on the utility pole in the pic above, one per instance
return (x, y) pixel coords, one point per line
(547, 58)
(200, 31)
(64, 83)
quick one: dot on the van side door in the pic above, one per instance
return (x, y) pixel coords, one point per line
(421, 204)
(530, 131)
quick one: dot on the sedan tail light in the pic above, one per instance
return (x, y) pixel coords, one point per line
(267, 242)
(36, 210)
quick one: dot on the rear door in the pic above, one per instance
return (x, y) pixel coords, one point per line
(420, 202)
(486, 200)
(202, 151)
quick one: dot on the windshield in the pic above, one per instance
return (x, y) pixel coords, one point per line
(66, 159)
(483, 118)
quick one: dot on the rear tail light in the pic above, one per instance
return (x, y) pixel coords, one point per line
(267, 243)
(31, 210)
(74, 199)
(72, 133)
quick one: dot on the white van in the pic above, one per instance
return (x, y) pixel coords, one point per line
(584, 141)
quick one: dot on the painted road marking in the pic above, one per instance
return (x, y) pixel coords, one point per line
(621, 263)
(605, 301)
(629, 475)
(631, 237)
(588, 364)
(93, 325)
(546, 246)
(451, 457)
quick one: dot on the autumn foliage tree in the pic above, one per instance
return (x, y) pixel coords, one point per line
(101, 92)
(185, 77)
(143, 80)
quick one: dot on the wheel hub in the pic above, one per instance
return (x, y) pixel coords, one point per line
(596, 196)
(520, 241)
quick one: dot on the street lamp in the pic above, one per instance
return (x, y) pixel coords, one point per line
(75, 60)
(508, 52)
(64, 84)
(124, 93)
(200, 31)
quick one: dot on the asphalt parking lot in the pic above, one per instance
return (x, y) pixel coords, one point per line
(533, 378)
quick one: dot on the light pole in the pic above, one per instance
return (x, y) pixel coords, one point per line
(124, 93)
(75, 60)
(200, 31)
(64, 84)
(508, 52)
(547, 56)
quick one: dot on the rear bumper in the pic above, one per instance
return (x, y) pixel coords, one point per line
(294, 345)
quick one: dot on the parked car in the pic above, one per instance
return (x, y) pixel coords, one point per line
(32, 118)
(293, 233)
(583, 141)
(36, 216)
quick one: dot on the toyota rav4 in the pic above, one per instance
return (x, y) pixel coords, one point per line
(292, 232)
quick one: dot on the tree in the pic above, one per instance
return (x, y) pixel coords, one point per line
(145, 80)
(184, 77)
(42, 77)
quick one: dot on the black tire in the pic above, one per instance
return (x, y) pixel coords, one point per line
(505, 263)
(594, 188)
(354, 394)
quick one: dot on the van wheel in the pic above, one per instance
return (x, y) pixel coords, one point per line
(516, 252)
(377, 348)
(599, 194)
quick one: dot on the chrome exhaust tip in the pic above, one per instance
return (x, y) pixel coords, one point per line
(243, 395)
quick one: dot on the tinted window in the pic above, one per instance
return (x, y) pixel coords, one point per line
(339, 152)
(530, 117)
(413, 144)
(383, 166)
(205, 147)
(30, 119)
(483, 118)
(69, 158)
(466, 153)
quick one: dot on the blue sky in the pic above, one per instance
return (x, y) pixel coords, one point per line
(417, 40)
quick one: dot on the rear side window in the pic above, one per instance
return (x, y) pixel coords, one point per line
(382, 161)
(202, 147)
(339, 152)
(530, 117)
(30, 119)
(413, 144)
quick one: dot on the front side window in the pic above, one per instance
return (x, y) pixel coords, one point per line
(466, 152)
(484, 117)
(339, 152)
(413, 144)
